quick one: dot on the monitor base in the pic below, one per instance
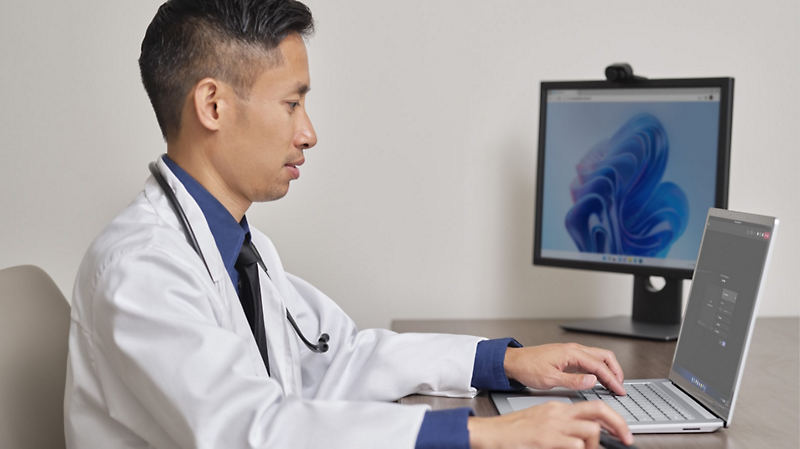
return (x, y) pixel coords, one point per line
(624, 326)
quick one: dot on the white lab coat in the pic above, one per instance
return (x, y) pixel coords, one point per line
(162, 356)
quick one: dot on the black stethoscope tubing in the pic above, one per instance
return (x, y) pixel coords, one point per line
(322, 343)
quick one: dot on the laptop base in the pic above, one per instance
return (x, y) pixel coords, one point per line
(702, 421)
(624, 326)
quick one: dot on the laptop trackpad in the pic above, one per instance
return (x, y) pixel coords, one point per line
(523, 402)
(531, 398)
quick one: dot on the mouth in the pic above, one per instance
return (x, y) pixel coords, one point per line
(294, 171)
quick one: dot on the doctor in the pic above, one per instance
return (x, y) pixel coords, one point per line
(181, 345)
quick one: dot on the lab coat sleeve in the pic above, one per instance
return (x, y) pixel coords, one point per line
(175, 377)
(377, 364)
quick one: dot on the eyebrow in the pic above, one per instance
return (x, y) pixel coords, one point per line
(302, 88)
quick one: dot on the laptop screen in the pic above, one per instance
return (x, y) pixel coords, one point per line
(720, 309)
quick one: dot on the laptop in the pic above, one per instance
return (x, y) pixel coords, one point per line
(700, 393)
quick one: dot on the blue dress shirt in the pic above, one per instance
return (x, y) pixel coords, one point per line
(442, 429)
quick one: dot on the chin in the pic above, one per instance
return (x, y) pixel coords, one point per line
(271, 195)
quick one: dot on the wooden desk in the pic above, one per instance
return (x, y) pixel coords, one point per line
(767, 412)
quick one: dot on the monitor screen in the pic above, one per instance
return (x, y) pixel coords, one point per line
(628, 173)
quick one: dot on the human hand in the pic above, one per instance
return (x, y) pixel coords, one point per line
(550, 425)
(564, 365)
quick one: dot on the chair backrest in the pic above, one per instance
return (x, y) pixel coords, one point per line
(34, 332)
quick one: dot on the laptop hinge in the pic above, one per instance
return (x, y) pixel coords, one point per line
(725, 423)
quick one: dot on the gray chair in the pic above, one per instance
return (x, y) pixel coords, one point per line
(34, 331)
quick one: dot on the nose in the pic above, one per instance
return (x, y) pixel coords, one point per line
(305, 137)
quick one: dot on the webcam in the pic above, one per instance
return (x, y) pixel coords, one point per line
(622, 73)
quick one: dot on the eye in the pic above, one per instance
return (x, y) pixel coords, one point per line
(293, 105)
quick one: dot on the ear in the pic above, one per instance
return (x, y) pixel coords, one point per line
(209, 99)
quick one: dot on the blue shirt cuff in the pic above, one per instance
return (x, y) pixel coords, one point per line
(444, 429)
(488, 372)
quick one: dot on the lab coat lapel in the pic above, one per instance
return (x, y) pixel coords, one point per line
(281, 342)
(193, 213)
(233, 316)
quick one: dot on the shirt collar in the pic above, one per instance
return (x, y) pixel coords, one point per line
(228, 234)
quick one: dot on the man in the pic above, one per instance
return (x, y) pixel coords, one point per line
(174, 347)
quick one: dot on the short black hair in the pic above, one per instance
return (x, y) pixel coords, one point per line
(229, 40)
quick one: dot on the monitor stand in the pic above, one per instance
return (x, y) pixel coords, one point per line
(656, 313)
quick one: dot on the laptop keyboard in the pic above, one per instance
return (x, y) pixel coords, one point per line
(644, 402)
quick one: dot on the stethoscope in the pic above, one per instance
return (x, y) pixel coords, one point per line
(322, 342)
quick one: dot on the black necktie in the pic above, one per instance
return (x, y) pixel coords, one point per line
(250, 296)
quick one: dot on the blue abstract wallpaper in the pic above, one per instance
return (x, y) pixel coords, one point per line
(621, 205)
(632, 179)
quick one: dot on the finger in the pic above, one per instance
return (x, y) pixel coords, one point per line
(592, 365)
(587, 431)
(566, 442)
(577, 381)
(608, 418)
(609, 359)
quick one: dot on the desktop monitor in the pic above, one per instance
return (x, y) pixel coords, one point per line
(626, 174)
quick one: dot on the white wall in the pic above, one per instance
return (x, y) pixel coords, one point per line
(418, 200)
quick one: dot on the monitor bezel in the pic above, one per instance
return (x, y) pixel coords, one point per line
(722, 176)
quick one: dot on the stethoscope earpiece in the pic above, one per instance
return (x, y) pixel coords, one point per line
(322, 343)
